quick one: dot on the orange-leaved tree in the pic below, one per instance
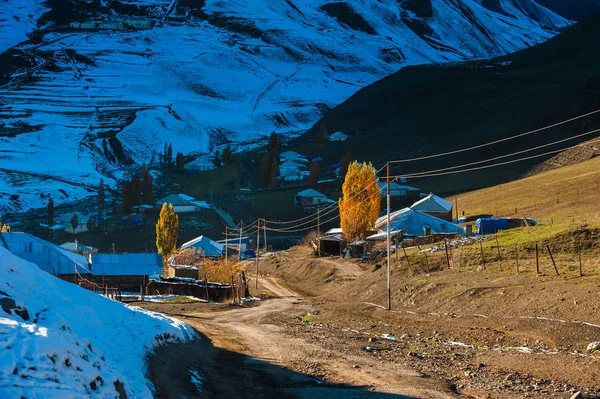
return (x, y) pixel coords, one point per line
(166, 233)
(360, 202)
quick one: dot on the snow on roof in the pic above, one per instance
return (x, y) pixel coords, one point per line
(206, 245)
(186, 197)
(47, 256)
(338, 136)
(81, 326)
(414, 223)
(432, 203)
(294, 157)
(290, 164)
(77, 246)
(126, 264)
(310, 193)
(201, 204)
(288, 153)
(335, 230)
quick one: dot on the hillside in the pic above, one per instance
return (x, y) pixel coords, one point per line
(76, 105)
(60, 340)
(575, 10)
(425, 110)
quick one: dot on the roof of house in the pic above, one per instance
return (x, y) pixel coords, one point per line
(206, 245)
(77, 246)
(294, 158)
(333, 231)
(396, 187)
(310, 193)
(36, 250)
(288, 153)
(338, 136)
(414, 223)
(126, 264)
(432, 203)
(290, 165)
(176, 199)
(202, 160)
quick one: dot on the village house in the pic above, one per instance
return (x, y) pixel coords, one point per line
(47, 256)
(65, 220)
(293, 158)
(310, 197)
(79, 248)
(126, 264)
(434, 206)
(183, 203)
(292, 171)
(205, 246)
(139, 23)
(338, 136)
(417, 224)
(201, 164)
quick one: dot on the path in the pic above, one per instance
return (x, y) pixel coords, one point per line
(225, 216)
(251, 355)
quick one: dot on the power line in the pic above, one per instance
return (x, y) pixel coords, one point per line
(418, 174)
(496, 141)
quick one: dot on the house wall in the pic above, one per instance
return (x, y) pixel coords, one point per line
(447, 216)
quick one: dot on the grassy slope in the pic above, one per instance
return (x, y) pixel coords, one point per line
(431, 109)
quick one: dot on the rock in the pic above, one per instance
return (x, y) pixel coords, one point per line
(593, 347)
(577, 395)
(8, 304)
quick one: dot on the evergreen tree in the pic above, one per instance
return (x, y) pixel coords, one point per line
(323, 134)
(127, 196)
(345, 162)
(360, 202)
(179, 162)
(274, 171)
(315, 173)
(226, 156)
(91, 224)
(164, 161)
(75, 222)
(170, 155)
(166, 233)
(265, 171)
(147, 188)
(50, 212)
(101, 196)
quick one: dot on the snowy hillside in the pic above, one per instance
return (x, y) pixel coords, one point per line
(81, 104)
(61, 341)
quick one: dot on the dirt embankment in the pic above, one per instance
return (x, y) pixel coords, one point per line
(484, 332)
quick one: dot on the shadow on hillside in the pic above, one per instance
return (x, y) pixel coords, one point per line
(200, 370)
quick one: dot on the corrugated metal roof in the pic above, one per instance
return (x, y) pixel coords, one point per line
(76, 246)
(47, 256)
(310, 193)
(414, 223)
(126, 264)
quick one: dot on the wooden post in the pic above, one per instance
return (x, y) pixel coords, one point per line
(265, 234)
(257, 250)
(517, 257)
(206, 287)
(405, 256)
(426, 261)
(319, 231)
(580, 269)
(482, 257)
(537, 259)
(499, 256)
(226, 243)
(552, 259)
(232, 289)
(446, 249)
(240, 241)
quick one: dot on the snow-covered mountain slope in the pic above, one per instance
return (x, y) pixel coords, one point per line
(18, 18)
(61, 341)
(81, 104)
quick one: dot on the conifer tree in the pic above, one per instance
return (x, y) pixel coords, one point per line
(360, 202)
(75, 222)
(226, 156)
(147, 188)
(169, 155)
(166, 233)
(315, 173)
(50, 212)
(345, 162)
(179, 162)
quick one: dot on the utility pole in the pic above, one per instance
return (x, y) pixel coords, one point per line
(257, 249)
(319, 231)
(240, 242)
(265, 234)
(389, 228)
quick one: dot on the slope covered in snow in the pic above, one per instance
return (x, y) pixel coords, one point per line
(62, 341)
(82, 104)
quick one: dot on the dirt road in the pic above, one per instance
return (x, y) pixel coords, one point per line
(251, 355)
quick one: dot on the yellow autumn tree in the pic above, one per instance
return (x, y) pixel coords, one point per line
(360, 202)
(166, 233)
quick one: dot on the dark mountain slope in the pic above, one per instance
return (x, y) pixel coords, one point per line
(431, 109)
(575, 10)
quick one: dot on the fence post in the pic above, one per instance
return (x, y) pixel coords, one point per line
(405, 256)
(517, 257)
(446, 248)
(426, 261)
(482, 257)
(232, 289)
(206, 287)
(537, 259)
(552, 259)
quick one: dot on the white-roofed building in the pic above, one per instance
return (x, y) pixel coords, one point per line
(47, 256)
(338, 136)
(205, 246)
(202, 163)
(126, 264)
(435, 206)
(182, 203)
(310, 197)
(416, 224)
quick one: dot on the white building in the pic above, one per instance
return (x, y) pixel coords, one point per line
(200, 164)
(338, 136)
